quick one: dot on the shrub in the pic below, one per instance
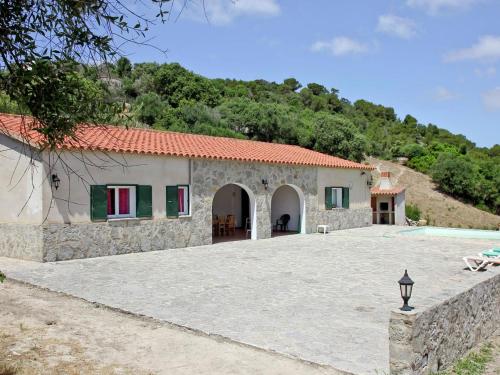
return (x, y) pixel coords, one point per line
(422, 163)
(412, 212)
(455, 175)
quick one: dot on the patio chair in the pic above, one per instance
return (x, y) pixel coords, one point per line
(230, 224)
(491, 253)
(282, 223)
(221, 226)
(248, 228)
(478, 263)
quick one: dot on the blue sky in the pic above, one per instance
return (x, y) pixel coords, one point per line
(438, 60)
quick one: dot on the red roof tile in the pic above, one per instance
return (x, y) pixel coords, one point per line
(145, 141)
(392, 191)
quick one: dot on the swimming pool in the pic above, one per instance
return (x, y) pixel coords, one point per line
(453, 232)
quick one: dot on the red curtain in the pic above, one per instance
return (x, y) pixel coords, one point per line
(111, 201)
(180, 198)
(124, 201)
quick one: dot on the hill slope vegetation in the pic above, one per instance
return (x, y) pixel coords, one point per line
(437, 208)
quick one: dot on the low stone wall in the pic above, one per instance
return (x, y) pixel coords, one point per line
(22, 241)
(55, 242)
(421, 342)
(341, 218)
(73, 241)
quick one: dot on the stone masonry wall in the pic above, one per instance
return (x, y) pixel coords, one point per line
(22, 241)
(423, 342)
(53, 242)
(73, 241)
(341, 218)
(209, 176)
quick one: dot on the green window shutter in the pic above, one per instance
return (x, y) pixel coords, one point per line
(144, 201)
(98, 202)
(172, 201)
(345, 197)
(328, 198)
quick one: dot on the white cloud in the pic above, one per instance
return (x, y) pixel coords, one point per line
(491, 99)
(340, 46)
(396, 26)
(487, 48)
(442, 94)
(435, 6)
(222, 12)
(486, 72)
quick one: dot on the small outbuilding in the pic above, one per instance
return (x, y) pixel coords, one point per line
(388, 202)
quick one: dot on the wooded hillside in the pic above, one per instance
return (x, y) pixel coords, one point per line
(169, 97)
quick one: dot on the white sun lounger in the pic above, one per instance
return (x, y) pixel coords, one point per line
(477, 263)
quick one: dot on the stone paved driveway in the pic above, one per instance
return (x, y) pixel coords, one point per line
(322, 298)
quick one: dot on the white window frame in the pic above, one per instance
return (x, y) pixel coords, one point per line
(187, 200)
(336, 193)
(132, 205)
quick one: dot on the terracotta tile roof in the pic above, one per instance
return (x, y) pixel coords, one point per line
(145, 141)
(392, 191)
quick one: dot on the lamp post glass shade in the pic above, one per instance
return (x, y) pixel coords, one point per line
(406, 287)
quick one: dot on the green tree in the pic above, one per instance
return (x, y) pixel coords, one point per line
(123, 67)
(455, 175)
(68, 98)
(175, 84)
(148, 108)
(413, 150)
(291, 85)
(336, 135)
(40, 39)
(317, 89)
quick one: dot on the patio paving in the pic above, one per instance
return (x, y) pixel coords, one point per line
(321, 298)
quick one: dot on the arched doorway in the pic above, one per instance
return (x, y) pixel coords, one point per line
(233, 214)
(288, 211)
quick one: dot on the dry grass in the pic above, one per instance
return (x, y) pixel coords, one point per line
(7, 369)
(440, 209)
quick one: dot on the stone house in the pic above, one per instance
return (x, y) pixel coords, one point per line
(113, 190)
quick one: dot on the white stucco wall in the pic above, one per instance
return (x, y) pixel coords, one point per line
(400, 214)
(227, 201)
(71, 202)
(21, 176)
(285, 200)
(359, 191)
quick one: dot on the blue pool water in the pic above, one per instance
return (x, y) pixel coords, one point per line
(453, 232)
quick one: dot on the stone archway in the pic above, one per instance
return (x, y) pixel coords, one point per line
(237, 200)
(288, 200)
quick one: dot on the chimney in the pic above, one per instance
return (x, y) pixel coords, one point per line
(385, 182)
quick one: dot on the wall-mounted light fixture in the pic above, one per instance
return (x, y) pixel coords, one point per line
(265, 183)
(56, 181)
(369, 179)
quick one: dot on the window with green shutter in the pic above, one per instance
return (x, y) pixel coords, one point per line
(98, 202)
(172, 194)
(345, 197)
(144, 201)
(328, 198)
(336, 197)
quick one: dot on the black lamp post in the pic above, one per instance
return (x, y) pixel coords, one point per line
(56, 180)
(406, 286)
